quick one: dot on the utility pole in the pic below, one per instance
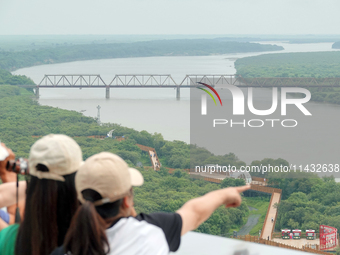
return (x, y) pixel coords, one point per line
(98, 115)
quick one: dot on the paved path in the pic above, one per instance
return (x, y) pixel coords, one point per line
(269, 226)
(297, 242)
(252, 221)
(215, 176)
(154, 160)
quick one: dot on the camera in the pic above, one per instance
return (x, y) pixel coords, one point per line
(19, 166)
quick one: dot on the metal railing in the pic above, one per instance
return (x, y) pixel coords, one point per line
(256, 239)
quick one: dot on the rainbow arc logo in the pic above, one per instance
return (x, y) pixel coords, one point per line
(209, 93)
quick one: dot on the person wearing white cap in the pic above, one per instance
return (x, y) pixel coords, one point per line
(51, 198)
(107, 223)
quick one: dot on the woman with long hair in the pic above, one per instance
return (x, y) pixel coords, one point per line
(51, 198)
(106, 222)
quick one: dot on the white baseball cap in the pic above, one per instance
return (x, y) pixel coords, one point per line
(59, 153)
(109, 175)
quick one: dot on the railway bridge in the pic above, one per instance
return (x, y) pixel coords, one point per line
(166, 81)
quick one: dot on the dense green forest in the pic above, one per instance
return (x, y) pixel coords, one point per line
(66, 53)
(23, 121)
(165, 192)
(336, 45)
(307, 202)
(312, 64)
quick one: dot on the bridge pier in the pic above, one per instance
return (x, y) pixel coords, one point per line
(107, 94)
(36, 92)
(178, 93)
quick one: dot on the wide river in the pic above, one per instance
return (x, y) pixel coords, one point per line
(157, 110)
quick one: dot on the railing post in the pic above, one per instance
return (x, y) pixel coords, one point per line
(178, 93)
(107, 94)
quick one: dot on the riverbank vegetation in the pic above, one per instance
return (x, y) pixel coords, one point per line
(7, 78)
(66, 53)
(312, 64)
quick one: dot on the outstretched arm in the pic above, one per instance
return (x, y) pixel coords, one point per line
(198, 210)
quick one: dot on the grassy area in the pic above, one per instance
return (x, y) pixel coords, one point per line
(261, 204)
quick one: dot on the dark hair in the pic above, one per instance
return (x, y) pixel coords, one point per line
(86, 234)
(107, 210)
(50, 206)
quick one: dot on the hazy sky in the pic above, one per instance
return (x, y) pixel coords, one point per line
(169, 17)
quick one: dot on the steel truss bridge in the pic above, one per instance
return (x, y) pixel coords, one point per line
(166, 81)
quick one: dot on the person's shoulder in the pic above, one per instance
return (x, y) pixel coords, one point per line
(163, 220)
(170, 223)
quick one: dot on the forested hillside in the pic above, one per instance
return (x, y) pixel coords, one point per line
(195, 47)
(311, 64)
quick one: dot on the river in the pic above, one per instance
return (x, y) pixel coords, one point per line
(157, 110)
